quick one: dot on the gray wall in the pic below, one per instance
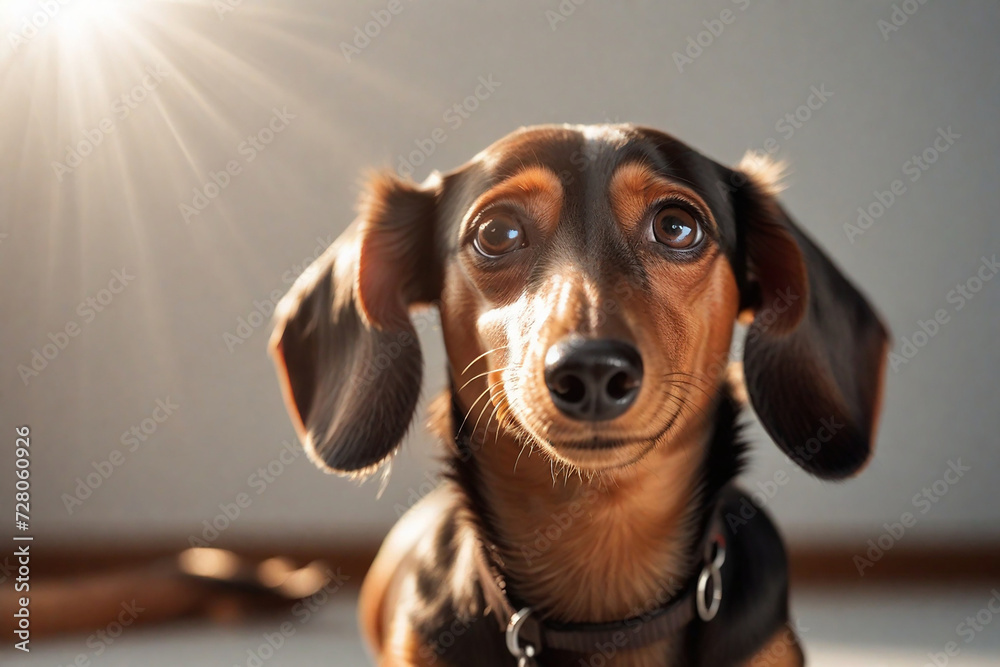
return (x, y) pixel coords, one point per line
(164, 335)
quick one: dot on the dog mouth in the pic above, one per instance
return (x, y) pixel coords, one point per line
(600, 450)
(605, 442)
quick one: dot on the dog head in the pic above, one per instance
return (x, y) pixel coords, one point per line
(588, 279)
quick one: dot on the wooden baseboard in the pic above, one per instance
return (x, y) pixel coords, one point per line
(839, 565)
(816, 565)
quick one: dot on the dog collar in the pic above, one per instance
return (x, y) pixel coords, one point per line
(528, 636)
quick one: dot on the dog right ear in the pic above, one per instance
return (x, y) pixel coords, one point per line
(346, 352)
(814, 357)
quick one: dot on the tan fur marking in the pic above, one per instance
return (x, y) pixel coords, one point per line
(388, 636)
(405, 651)
(635, 186)
(537, 189)
(782, 650)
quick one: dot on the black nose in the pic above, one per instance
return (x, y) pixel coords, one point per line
(593, 380)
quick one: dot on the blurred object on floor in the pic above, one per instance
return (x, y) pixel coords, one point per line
(199, 582)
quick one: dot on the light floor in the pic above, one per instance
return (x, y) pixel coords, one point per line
(853, 628)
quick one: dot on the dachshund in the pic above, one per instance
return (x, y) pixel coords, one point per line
(589, 280)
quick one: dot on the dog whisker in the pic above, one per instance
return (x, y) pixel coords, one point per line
(693, 376)
(496, 349)
(489, 420)
(501, 420)
(476, 377)
(500, 401)
(472, 407)
(683, 403)
(523, 445)
(691, 385)
(700, 381)
(489, 390)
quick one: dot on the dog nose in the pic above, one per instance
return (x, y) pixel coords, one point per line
(593, 380)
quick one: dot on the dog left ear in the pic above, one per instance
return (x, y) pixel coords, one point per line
(346, 351)
(814, 357)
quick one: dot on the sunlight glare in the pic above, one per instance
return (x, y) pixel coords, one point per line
(82, 22)
(117, 110)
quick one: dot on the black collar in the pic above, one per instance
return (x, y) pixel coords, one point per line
(528, 636)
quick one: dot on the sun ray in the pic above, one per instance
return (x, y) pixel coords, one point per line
(101, 154)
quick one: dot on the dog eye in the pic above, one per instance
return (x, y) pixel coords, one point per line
(676, 228)
(499, 235)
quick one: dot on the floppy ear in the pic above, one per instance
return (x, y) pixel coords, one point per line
(814, 356)
(346, 352)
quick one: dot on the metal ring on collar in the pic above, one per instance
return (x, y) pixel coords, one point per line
(517, 620)
(708, 605)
